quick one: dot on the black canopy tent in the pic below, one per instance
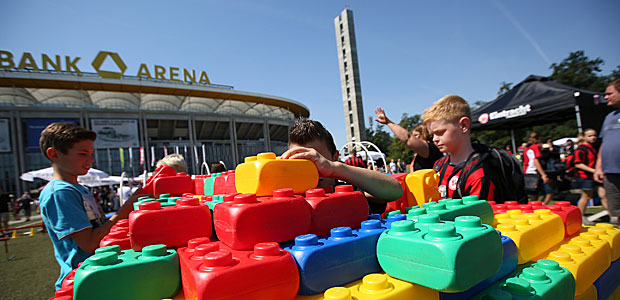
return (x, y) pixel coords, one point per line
(539, 100)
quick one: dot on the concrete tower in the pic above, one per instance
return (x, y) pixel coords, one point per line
(350, 77)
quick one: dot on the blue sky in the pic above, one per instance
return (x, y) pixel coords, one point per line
(411, 53)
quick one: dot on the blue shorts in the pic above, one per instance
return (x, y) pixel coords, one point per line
(584, 184)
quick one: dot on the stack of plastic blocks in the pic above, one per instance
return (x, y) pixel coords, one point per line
(533, 233)
(152, 273)
(609, 281)
(211, 270)
(445, 256)
(344, 256)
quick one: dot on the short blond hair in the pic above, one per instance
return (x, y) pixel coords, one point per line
(176, 161)
(450, 107)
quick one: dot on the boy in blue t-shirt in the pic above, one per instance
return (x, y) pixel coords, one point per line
(75, 222)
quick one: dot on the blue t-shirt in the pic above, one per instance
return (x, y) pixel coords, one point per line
(610, 133)
(67, 208)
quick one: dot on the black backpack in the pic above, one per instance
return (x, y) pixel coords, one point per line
(503, 169)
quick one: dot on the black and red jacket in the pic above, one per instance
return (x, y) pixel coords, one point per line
(585, 154)
(472, 171)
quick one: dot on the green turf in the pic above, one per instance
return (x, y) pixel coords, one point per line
(33, 270)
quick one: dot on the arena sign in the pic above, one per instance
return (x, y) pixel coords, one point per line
(72, 65)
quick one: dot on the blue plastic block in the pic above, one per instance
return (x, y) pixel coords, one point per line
(509, 263)
(609, 281)
(344, 256)
(393, 218)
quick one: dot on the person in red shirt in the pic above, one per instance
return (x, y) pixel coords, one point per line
(355, 160)
(584, 162)
(449, 121)
(532, 168)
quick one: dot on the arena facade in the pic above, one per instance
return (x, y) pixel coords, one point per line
(138, 117)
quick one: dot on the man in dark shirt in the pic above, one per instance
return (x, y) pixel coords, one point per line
(354, 160)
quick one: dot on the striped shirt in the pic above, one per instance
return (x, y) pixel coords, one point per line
(356, 162)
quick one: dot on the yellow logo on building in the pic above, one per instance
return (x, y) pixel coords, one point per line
(100, 58)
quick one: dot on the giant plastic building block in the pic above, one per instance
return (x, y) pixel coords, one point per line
(171, 226)
(246, 221)
(118, 235)
(151, 274)
(63, 293)
(213, 271)
(445, 256)
(199, 184)
(544, 280)
(587, 257)
(173, 185)
(423, 184)
(450, 209)
(570, 214)
(509, 264)
(263, 174)
(590, 294)
(209, 184)
(404, 201)
(610, 234)
(609, 281)
(344, 256)
(344, 207)
(161, 171)
(377, 286)
(534, 233)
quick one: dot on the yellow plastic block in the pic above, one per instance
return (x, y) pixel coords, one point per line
(262, 174)
(587, 257)
(533, 233)
(423, 184)
(610, 234)
(589, 294)
(376, 286)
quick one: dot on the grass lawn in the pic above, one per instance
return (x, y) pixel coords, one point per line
(33, 270)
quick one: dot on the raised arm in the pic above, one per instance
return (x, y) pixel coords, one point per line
(416, 144)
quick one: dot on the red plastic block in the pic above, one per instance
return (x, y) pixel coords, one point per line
(64, 293)
(230, 182)
(173, 226)
(570, 214)
(199, 184)
(163, 170)
(219, 184)
(119, 235)
(173, 185)
(404, 200)
(213, 271)
(343, 208)
(246, 221)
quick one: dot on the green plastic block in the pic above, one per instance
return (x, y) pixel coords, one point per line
(545, 279)
(142, 200)
(395, 212)
(217, 199)
(451, 208)
(111, 273)
(209, 181)
(446, 256)
(164, 196)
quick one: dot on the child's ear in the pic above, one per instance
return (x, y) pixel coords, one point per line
(465, 124)
(336, 156)
(51, 153)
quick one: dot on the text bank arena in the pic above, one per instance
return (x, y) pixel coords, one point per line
(138, 117)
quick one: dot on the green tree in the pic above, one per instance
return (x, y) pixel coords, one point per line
(504, 87)
(378, 136)
(577, 70)
(398, 149)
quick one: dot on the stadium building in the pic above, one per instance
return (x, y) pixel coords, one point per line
(138, 117)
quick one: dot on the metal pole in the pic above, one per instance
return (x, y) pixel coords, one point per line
(578, 116)
(512, 137)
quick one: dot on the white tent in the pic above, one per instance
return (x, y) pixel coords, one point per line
(562, 141)
(92, 178)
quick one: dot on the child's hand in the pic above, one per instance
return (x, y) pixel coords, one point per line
(381, 117)
(325, 167)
